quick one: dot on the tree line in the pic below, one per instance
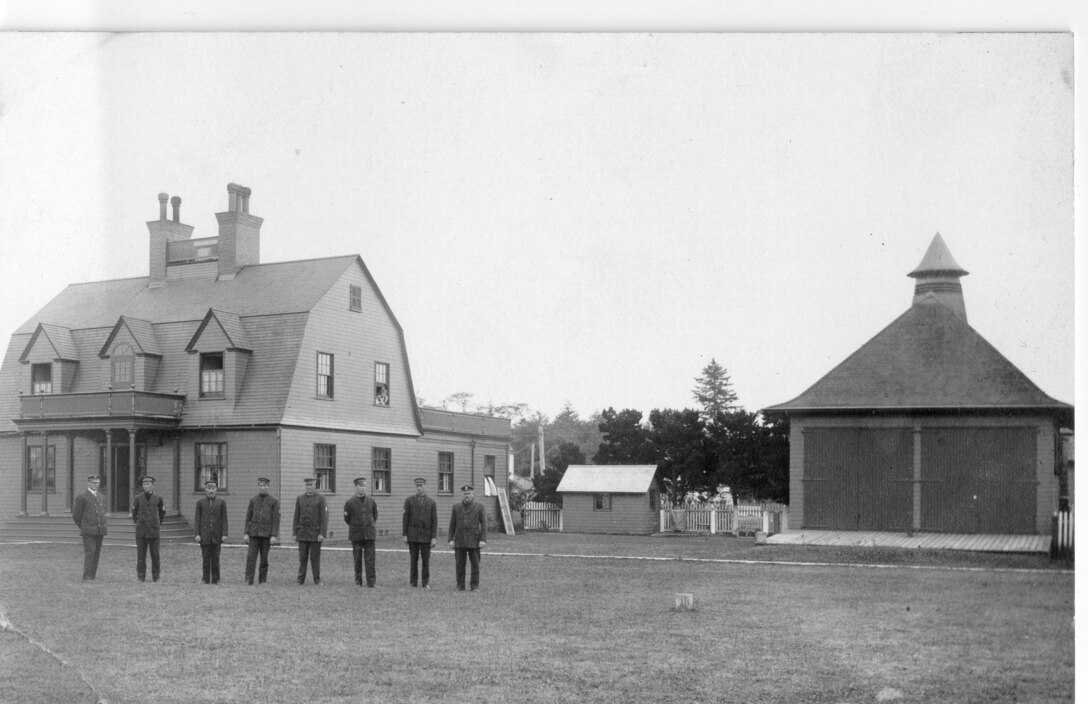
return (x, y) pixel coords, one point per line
(695, 449)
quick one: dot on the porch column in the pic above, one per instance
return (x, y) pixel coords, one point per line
(177, 473)
(22, 481)
(131, 462)
(45, 474)
(107, 465)
(70, 439)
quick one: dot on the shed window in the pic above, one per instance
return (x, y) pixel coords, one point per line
(602, 502)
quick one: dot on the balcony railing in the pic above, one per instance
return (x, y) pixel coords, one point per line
(188, 251)
(129, 403)
(467, 423)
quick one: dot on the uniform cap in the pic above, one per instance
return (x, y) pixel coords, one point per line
(309, 480)
(263, 480)
(467, 487)
(210, 483)
(360, 481)
(420, 480)
(93, 478)
(147, 478)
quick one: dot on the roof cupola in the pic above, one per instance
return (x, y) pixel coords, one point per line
(938, 275)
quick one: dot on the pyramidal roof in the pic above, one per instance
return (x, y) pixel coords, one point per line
(938, 260)
(927, 358)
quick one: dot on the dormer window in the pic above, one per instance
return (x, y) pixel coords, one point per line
(41, 379)
(211, 375)
(121, 365)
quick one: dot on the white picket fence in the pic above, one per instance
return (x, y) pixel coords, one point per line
(538, 515)
(737, 519)
(1061, 542)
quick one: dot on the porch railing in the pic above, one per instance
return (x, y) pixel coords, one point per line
(94, 405)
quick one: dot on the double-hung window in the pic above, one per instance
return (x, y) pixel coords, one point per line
(211, 375)
(355, 298)
(41, 379)
(381, 467)
(324, 375)
(381, 384)
(211, 464)
(445, 472)
(34, 468)
(121, 367)
(325, 467)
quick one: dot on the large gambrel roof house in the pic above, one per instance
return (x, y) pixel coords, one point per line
(216, 365)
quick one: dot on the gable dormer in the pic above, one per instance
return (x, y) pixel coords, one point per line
(133, 355)
(51, 360)
(221, 351)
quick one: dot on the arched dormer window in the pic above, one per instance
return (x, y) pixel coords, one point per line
(121, 367)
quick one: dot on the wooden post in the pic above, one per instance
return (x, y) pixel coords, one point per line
(25, 483)
(543, 464)
(107, 469)
(713, 519)
(45, 474)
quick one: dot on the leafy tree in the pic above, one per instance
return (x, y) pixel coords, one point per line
(752, 455)
(624, 439)
(461, 398)
(682, 450)
(714, 391)
(545, 485)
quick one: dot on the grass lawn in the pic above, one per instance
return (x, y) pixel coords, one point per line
(554, 621)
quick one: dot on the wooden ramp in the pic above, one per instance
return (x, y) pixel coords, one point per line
(922, 541)
(504, 504)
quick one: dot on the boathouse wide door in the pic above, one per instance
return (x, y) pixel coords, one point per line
(979, 480)
(858, 479)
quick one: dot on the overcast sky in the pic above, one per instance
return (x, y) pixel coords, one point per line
(581, 218)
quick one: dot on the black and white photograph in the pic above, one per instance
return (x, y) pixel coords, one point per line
(640, 365)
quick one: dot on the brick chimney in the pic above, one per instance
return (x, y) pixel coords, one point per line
(939, 275)
(239, 233)
(163, 231)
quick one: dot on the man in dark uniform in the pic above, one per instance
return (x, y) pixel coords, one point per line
(262, 530)
(89, 513)
(361, 513)
(309, 528)
(211, 526)
(148, 513)
(420, 530)
(468, 533)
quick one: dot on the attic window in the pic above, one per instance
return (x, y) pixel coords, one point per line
(381, 384)
(355, 298)
(41, 379)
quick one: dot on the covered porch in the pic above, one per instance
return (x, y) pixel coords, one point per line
(118, 435)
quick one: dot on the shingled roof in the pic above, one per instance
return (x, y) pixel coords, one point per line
(929, 358)
(257, 290)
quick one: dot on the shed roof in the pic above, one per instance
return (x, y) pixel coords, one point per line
(608, 478)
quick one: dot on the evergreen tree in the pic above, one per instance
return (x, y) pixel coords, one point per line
(714, 392)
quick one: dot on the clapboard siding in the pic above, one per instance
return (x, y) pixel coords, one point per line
(411, 458)
(630, 514)
(356, 340)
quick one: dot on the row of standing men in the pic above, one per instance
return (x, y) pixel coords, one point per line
(467, 531)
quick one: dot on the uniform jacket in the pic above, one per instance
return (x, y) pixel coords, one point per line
(420, 520)
(148, 513)
(211, 520)
(89, 513)
(311, 517)
(468, 525)
(360, 515)
(263, 517)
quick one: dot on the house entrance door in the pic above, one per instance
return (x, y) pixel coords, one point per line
(119, 490)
